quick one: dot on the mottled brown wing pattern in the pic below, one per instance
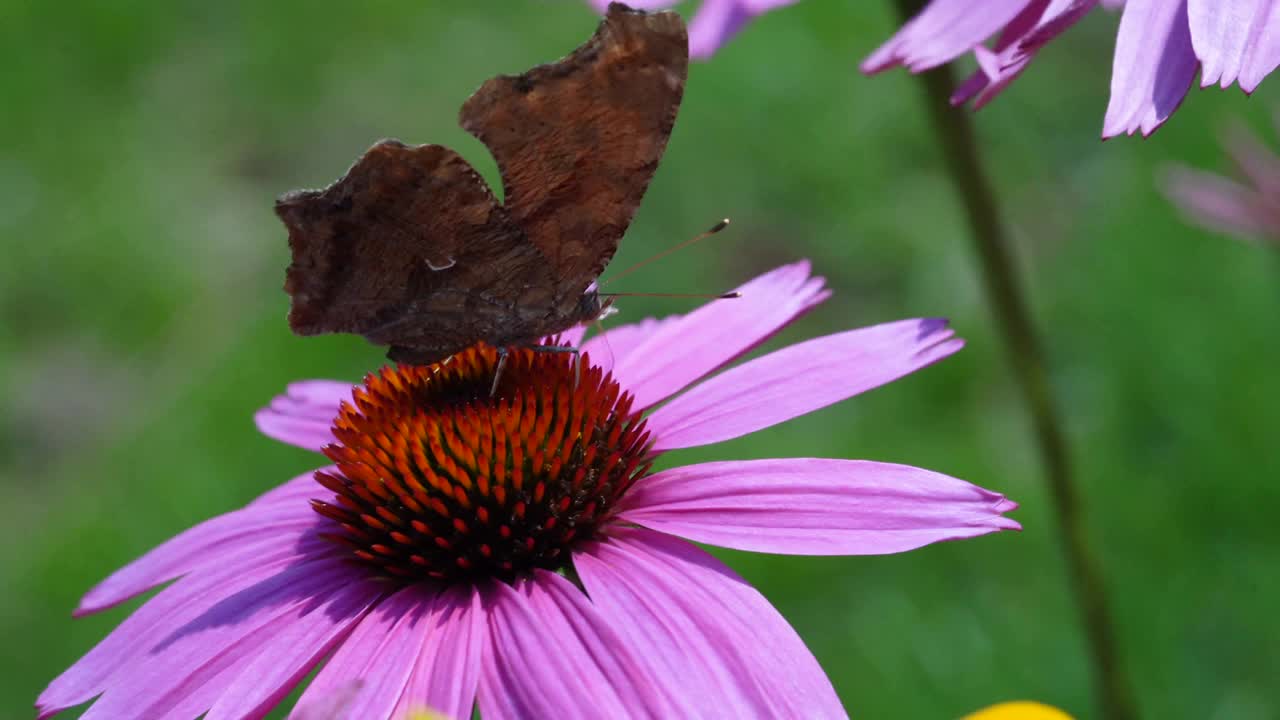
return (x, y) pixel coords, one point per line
(577, 141)
(411, 249)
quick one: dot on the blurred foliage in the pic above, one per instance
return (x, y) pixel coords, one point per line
(143, 321)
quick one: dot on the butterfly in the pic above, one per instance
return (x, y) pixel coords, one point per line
(412, 250)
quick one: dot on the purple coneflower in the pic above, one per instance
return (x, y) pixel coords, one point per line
(946, 29)
(1248, 208)
(518, 552)
(1159, 47)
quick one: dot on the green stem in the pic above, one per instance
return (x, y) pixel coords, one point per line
(1027, 357)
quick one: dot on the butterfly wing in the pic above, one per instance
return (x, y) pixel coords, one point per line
(411, 249)
(577, 141)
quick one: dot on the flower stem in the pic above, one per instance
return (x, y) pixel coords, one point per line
(1026, 355)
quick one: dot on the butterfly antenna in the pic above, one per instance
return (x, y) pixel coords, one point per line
(701, 236)
(708, 296)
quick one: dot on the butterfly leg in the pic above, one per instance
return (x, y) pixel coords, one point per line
(577, 357)
(497, 371)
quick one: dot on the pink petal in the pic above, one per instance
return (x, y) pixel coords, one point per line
(1255, 160)
(683, 350)
(1235, 40)
(550, 654)
(173, 607)
(724, 650)
(715, 24)
(293, 649)
(976, 83)
(1038, 23)
(368, 673)
(803, 506)
(607, 350)
(799, 379)
(318, 397)
(304, 414)
(446, 671)
(569, 338)
(1153, 68)
(994, 84)
(1221, 204)
(943, 31)
(1058, 17)
(191, 667)
(268, 526)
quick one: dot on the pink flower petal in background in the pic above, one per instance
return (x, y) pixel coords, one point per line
(798, 380)
(715, 22)
(1248, 208)
(1158, 48)
(1220, 203)
(1031, 30)
(941, 32)
(685, 612)
(1153, 69)
(807, 506)
(1236, 40)
(1256, 162)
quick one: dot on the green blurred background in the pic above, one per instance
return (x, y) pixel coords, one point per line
(143, 320)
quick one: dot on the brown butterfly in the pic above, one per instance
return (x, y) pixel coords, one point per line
(410, 248)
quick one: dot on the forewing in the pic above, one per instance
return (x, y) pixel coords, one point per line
(404, 249)
(577, 141)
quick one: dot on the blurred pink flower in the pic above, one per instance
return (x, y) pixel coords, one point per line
(715, 22)
(946, 29)
(518, 553)
(1249, 207)
(1159, 46)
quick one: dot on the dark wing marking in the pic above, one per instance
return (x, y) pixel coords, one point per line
(577, 141)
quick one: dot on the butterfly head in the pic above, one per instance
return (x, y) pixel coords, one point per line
(593, 306)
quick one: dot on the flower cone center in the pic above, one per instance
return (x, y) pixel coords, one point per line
(437, 480)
